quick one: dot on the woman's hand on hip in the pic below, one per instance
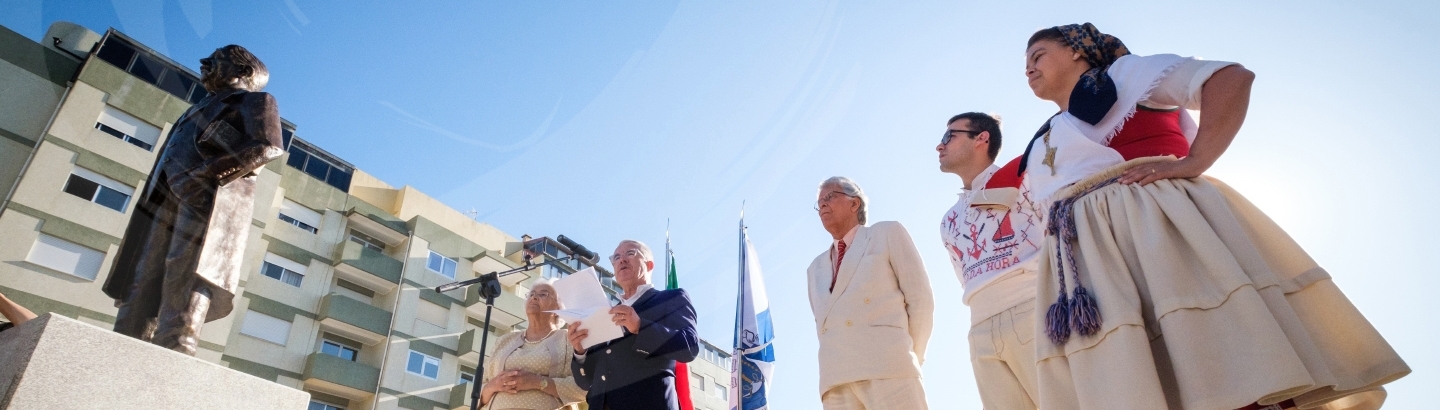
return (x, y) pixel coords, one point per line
(1146, 173)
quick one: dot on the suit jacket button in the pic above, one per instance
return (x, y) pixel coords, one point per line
(847, 323)
(607, 351)
(602, 377)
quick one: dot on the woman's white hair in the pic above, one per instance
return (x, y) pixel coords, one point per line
(850, 189)
(550, 283)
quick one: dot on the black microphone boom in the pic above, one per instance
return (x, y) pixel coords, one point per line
(577, 249)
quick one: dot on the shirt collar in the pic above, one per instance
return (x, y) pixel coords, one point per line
(980, 180)
(638, 292)
(849, 238)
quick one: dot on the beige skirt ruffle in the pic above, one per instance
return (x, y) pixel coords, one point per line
(1206, 304)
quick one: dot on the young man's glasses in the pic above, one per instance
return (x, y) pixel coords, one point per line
(949, 133)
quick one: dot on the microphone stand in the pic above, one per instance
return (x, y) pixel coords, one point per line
(489, 289)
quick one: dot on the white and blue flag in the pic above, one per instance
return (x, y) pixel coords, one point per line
(753, 362)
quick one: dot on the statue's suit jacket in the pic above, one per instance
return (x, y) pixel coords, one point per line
(877, 321)
(209, 162)
(637, 371)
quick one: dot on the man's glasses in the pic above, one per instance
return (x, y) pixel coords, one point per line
(629, 254)
(828, 196)
(949, 133)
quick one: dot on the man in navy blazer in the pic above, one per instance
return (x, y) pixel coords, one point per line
(637, 371)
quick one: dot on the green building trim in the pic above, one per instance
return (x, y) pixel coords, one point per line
(292, 252)
(36, 58)
(262, 371)
(19, 139)
(270, 307)
(64, 229)
(42, 305)
(133, 95)
(98, 163)
(425, 346)
(444, 241)
(413, 402)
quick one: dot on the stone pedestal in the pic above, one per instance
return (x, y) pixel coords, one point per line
(55, 362)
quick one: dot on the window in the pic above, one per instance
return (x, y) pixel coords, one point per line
(466, 376)
(66, 256)
(318, 405)
(721, 391)
(367, 241)
(697, 381)
(318, 164)
(127, 128)
(354, 291)
(284, 270)
(265, 327)
(149, 68)
(423, 365)
(300, 216)
(440, 264)
(92, 187)
(338, 350)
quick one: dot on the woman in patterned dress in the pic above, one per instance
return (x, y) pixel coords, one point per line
(530, 369)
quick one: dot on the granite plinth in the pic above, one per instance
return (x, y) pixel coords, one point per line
(55, 362)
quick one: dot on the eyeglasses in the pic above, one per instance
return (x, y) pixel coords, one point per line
(828, 196)
(949, 133)
(629, 254)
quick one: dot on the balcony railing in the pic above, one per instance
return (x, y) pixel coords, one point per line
(469, 347)
(354, 319)
(460, 396)
(509, 308)
(368, 267)
(344, 377)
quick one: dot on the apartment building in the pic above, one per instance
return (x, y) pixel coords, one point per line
(341, 267)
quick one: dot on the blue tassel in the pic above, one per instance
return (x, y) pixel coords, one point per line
(1057, 321)
(1084, 312)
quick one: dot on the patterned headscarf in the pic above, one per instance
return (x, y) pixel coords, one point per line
(1095, 93)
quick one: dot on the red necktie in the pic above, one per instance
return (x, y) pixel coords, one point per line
(840, 255)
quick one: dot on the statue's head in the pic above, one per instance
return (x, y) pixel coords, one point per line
(233, 66)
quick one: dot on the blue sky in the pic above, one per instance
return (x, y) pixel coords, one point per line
(600, 121)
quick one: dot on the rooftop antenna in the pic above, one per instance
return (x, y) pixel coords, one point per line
(473, 214)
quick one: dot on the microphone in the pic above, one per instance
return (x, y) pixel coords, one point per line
(576, 248)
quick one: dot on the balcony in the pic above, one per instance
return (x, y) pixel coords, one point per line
(492, 261)
(341, 377)
(460, 396)
(368, 267)
(392, 232)
(469, 347)
(354, 319)
(509, 308)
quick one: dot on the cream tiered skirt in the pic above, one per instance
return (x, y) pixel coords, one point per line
(1205, 304)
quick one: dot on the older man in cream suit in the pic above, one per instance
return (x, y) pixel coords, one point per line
(873, 306)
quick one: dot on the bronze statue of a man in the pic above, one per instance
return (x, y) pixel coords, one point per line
(179, 263)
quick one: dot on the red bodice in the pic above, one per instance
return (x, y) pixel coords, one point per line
(1151, 133)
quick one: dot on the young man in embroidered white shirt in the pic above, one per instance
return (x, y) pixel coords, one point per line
(993, 235)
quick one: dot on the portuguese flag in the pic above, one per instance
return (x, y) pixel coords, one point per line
(682, 370)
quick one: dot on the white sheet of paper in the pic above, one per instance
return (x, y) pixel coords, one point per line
(581, 291)
(585, 303)
(602, 328)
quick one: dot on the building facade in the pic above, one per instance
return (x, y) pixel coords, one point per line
(341, 267)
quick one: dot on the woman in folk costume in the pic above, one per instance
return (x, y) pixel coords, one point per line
(1171, 290)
